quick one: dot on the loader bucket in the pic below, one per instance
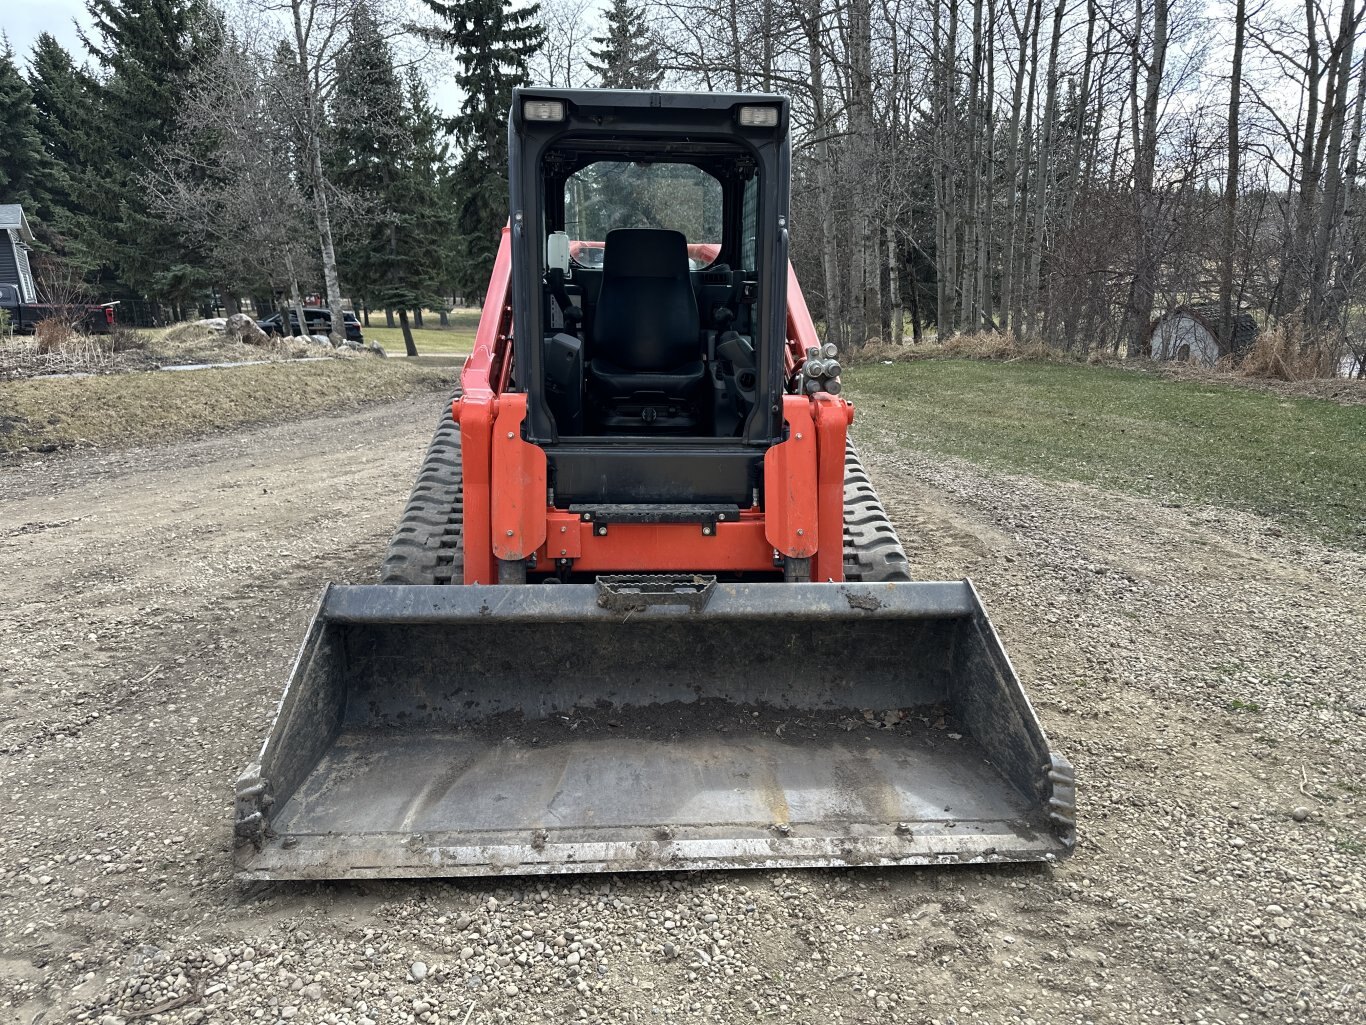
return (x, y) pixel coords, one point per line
(671, 724)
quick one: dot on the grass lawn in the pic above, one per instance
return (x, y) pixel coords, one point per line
(431, 338)
(1301, 462)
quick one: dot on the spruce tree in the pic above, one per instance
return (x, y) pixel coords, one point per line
(67, 104)
(147, 51)
(367, 133)
(424, 220)
(23, 164)
(627, 57)
(492, 42)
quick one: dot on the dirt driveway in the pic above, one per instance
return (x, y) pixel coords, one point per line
(1204, 672)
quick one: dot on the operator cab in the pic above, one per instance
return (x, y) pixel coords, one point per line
(650, 270)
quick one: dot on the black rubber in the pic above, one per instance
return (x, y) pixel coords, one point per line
(427, 546)
(872, 552)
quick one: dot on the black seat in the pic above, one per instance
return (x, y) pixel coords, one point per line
(647, 349)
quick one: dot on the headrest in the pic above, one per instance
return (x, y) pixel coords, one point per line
(645, 253)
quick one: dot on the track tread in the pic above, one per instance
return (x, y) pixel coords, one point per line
(427, 546)
(872, 551)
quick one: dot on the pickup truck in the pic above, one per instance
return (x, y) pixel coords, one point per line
(25, 317)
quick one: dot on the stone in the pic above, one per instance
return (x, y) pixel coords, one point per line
(418, 971)
(1300, 814)
(242, 328)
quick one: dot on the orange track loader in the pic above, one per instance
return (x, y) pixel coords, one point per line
(644, 609)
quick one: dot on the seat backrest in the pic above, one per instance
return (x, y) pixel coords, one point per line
(646, 318)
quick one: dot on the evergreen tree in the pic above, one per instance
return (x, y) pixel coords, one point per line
(627, 57)
(492, 41)
(67, 104)
(424, 220)
(23, 164)
(147, 51)
(367, 132)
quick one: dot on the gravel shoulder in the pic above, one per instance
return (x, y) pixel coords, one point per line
(1202, 669)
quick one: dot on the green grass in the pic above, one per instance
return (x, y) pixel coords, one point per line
(431, 338)
(1301, 462)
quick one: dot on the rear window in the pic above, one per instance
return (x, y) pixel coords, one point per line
(617, 194)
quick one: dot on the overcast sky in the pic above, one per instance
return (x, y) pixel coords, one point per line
(24, 20)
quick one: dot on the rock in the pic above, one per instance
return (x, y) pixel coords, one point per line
(218, 324)
(418, 971)
(378, 350)
(510, 990)
(313, 991)
(572, 959)
(1300, 814)
(244, 329)
(288, 1011)
(322, 340)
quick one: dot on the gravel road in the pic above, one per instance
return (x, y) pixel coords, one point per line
(1202, 669)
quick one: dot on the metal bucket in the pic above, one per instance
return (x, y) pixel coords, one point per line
(629, 725)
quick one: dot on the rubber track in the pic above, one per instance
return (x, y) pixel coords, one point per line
(426, 547)
(872, 552)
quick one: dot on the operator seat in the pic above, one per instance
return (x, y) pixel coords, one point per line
(646, 344)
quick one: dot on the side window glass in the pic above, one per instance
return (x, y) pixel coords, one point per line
(749, 226)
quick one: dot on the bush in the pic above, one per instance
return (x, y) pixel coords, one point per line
(53, 335)
(1281, 353)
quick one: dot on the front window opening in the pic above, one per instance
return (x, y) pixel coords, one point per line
(618, 194)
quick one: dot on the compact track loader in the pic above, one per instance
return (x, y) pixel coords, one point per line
(644, 609)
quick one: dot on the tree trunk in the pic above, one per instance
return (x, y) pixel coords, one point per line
(388, 318)
(1291, 291)
(1336, 115)
(322, 216)
(409, 346)
(417, 316)
(913, 286)
(1042, 175)
(864, 267)
(987, 169)
(1012, 174)
(967, 289)
(1020, 227)
(812, 25)
(1228, 238)
(1143, 288)
(897, 313)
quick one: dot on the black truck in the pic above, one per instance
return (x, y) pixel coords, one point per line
(24, 317)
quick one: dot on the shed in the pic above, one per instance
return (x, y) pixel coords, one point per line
(15, 239)
(1190, 334)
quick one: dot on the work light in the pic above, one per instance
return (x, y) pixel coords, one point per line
(759, 117)
(543, 110)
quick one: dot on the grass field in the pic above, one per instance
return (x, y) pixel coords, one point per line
(431, 339)
(1301, 462)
